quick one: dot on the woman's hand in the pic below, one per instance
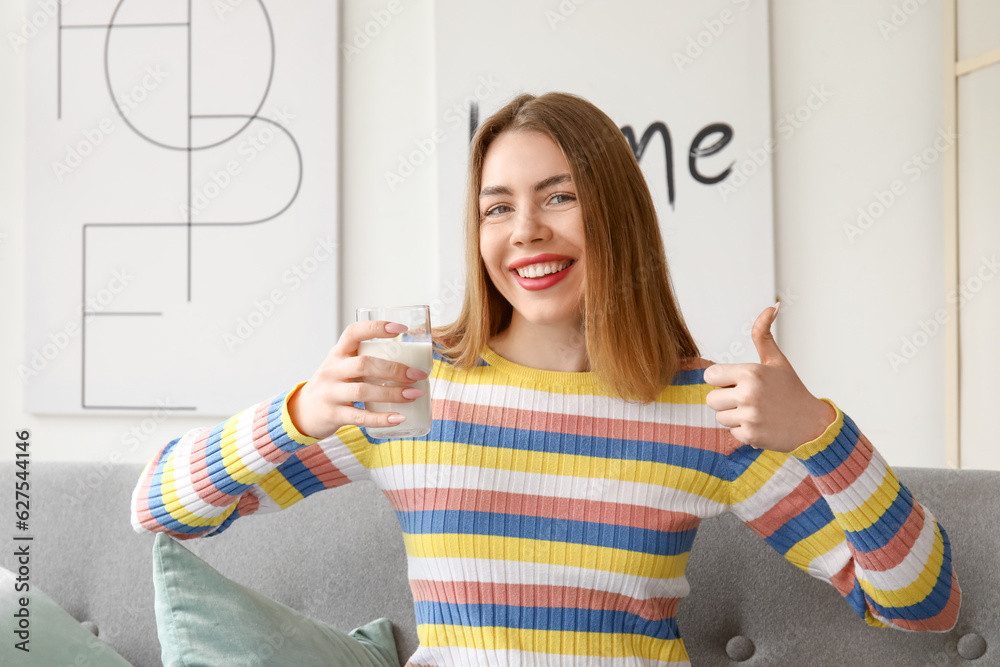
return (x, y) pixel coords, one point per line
(766, 405)
(326, 402)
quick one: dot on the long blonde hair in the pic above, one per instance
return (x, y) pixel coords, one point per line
(635, 334)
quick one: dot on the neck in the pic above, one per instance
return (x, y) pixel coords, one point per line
(544, 347)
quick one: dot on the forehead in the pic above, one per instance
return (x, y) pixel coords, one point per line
(522, 158)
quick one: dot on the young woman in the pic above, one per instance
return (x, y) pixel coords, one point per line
(577, 440)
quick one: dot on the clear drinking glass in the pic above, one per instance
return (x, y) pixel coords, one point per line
(413, 348)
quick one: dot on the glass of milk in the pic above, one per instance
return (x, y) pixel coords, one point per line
(413, 348)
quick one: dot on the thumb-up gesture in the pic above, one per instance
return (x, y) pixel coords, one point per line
(766, 405)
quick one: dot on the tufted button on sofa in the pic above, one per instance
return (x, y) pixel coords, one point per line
(740, 648)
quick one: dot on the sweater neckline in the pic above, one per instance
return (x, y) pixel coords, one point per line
(537, 375)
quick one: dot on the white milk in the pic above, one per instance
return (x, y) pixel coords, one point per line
(418, 412)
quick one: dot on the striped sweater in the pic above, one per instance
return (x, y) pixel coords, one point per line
(543, 515)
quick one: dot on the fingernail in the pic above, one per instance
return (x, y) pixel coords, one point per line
(776, 306)
(395, 419)
(395, 327)
(416, 374)
(412, 392)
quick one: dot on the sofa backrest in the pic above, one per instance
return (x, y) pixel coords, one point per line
(338, 557)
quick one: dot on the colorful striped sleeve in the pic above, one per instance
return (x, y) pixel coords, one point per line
(835, 509)
(198, 484)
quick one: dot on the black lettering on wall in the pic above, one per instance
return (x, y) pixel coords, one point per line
(668, 151)
(473, 119)
(698, 151)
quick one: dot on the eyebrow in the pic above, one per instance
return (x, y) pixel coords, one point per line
(540, 185)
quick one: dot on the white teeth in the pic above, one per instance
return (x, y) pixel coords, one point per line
(539, 270)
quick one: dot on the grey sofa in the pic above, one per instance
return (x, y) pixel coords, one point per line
(747, 606)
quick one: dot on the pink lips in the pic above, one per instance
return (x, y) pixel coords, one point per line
(545, 282)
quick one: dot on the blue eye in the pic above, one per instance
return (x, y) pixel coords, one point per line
(568, 197)
(493, 210)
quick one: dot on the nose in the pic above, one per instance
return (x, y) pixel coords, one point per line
(528, 226)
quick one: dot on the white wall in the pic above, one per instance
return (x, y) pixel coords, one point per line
(847, 305)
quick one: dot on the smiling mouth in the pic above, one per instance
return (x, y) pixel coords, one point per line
(536, 271)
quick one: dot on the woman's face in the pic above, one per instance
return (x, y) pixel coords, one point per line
(528, 210)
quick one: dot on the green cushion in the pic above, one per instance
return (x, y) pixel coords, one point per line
(203, 618)
(54, 638)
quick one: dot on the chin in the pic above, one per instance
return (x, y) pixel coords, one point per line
(546, 317)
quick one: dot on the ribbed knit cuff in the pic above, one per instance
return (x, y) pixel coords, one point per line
(856, 482)
(823, 454)
(282, 430)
